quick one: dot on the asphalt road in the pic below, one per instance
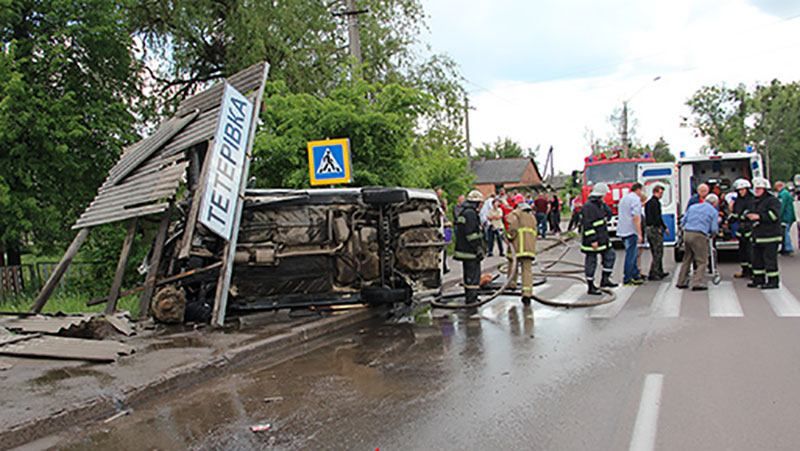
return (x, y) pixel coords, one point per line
(658, 369)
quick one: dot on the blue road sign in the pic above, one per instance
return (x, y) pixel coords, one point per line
(329, 161)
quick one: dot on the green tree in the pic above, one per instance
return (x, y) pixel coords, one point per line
(66, 74)
(718, 115)
(775, 109)
(504, 148)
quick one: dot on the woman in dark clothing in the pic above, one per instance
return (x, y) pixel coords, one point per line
(555, 214)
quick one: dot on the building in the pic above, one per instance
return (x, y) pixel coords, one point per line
(508, 173)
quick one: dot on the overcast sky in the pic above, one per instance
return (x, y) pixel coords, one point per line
(544, 71)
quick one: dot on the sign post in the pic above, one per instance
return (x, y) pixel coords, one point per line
(223, 199)
(329, 162)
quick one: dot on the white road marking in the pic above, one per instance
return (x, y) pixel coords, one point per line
(571, 294)
(783, 302)
(646, 426)
(723, 301)
(611, 310)
(668, 299)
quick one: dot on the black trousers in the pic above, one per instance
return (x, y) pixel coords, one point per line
(765, 261)
(472, 279)
(746, 253)
(590, 262)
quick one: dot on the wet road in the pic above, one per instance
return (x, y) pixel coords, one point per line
(658, 369)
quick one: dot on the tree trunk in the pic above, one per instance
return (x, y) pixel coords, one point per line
(14, 254)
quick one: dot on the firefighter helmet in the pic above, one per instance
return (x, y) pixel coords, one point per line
(741, 184)
(475, 196)
(760, 182)
(599, 190)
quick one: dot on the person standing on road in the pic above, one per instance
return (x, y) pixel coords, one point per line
(742, 205)
(787, 216)
(522, 234)
(469, 244)
(767, 236)
(595, 239)
(629, 229)
(447, 226)
(655, 228)
(497, 228)
(541, 207)
(700, 224)
(576, 208)
(484, 216)
(555, 214)
(458, 206)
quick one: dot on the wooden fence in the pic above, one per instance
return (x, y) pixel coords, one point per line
(28, 279)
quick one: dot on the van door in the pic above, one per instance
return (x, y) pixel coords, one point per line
(651, 175)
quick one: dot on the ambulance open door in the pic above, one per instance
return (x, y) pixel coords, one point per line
(663, 174)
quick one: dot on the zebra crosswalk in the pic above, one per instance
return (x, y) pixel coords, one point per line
(725, 300)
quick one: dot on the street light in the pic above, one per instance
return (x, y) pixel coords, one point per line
(625, 144)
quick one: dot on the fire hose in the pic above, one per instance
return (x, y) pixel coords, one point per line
(547, 271)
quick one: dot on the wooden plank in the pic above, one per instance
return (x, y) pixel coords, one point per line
(155, 260)
(122, 214)
(224, 281)
(55, 277)
(116, 285)
(197, 197)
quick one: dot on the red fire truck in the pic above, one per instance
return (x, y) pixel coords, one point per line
(619, 173)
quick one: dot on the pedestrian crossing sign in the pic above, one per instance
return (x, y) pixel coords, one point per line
(329, 161)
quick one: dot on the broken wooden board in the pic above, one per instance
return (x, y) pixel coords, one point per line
(63, 348)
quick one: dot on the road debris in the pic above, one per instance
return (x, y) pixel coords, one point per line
(273, 399)
(117, 415)
(65, 348)
(260, 427)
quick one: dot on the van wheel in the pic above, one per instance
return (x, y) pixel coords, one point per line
(677, 252)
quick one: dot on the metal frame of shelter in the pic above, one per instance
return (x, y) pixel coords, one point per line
(145, 182)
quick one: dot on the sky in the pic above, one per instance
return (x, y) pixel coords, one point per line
(544, 72)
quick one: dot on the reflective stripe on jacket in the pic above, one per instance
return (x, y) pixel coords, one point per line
(522, 232)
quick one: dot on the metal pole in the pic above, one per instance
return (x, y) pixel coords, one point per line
(352, 31)
(466, 126)
(625, 145)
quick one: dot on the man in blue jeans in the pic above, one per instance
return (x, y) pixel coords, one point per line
(629, 229)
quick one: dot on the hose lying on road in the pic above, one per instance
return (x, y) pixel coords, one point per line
(547, 271)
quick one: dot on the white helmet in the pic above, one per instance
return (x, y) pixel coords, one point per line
(760, 182)
(475, 196)
(599, 190)
(741, 184)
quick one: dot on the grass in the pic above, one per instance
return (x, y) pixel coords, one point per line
(67, 302)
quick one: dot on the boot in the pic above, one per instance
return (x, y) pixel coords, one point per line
(593, 290)
(606, 282)
(772, 283)
(526, 301)
(471, 296)
(758, 280)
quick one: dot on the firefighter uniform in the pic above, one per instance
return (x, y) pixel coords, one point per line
(767, 237)
(744, 228)
(522, 233)
(469, 245)
(595, 231)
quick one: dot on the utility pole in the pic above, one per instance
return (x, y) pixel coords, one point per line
(352, 30)
(466, 125)
(625, 145)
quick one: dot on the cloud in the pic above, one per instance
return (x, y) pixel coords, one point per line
(574, 62)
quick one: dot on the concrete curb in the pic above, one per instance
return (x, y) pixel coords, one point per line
(454, 281)
(271, 350)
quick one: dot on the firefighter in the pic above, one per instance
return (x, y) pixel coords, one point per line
(469, 244)
(744, 228)
(767, 236)
(596, 239)
(522, 234)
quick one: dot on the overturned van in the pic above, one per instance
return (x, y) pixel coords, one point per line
(321, 247)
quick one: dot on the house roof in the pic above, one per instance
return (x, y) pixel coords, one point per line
(558, 181)
(501, 170)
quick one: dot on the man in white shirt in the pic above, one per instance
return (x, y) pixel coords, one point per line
(629, 229)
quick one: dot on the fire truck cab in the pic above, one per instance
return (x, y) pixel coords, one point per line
(619, 173)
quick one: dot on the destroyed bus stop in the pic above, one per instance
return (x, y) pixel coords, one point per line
(146, 181)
